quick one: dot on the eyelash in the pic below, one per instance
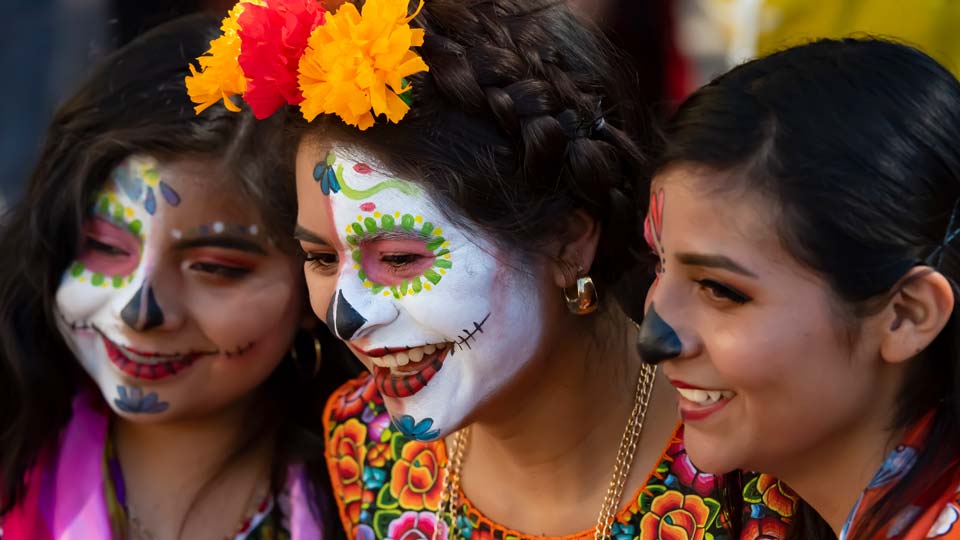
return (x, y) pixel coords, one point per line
(321, 261)
(96, 245)
(219, 270)
(397, 261)
(719, 291)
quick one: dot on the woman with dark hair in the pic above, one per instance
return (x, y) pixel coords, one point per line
(153, 382)
(464, 220)
(805, 219)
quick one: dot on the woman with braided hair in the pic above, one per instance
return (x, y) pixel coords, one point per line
(469, 193)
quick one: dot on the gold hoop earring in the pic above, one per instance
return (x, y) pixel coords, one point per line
(317, 358)
(585, 300)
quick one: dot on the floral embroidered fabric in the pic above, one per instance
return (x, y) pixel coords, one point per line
(388, 487)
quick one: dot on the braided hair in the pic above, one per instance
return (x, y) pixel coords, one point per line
(524, 116)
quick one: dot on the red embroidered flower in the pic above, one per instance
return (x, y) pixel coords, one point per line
(688, 475)
(675, 516)
(349, 404)
(764, 529)
(416, 477)
(415, 526)
(273, 39)
(777, 496)
(347, 453)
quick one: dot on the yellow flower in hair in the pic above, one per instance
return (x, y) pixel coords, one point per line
(355, 64)
(220, 76)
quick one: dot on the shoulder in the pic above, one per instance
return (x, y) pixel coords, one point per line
(380, 478)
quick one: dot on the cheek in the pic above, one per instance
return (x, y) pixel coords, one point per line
(262, 312)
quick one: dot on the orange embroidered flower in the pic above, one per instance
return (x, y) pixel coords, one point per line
(348, 452)
(416, 477)
(777, 496)
(764, 529)
(355, 64)
(349, 403)
(220, 76)
(675, 516)
(378, 455)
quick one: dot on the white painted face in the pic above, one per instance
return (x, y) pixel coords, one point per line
(431, 308)
(177, 304)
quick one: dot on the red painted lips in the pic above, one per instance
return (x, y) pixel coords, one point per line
(408, 384)
(150, 372)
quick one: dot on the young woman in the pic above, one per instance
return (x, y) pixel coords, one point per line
(806, 220)
(154, 381)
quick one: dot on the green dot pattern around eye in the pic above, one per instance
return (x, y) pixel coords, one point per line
(107, 207)
(432, 235)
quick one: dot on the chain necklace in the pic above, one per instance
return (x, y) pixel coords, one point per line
(450, 499)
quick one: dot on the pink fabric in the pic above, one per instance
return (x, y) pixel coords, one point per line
(65, 498)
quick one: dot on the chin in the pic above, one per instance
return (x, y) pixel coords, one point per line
(711, 454)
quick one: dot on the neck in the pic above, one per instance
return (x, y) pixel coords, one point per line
(831, 477)
(553, 436)
(170, 469)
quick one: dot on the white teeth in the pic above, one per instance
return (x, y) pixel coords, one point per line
(403, 358)
(704, 397)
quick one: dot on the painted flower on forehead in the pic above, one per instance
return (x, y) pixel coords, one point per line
(220, 75)
(273, 38)
(355, 65)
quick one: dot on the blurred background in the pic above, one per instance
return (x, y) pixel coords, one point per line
(48, 46)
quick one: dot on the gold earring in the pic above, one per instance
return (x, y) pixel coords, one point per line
(585, 300)
(317, 358)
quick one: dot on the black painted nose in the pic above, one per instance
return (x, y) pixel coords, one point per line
(142, 311)
(342, 319)
(657, 340)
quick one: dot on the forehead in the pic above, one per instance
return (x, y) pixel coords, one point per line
(706, 211)
(186, 189)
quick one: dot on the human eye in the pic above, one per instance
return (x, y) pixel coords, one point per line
(718, 292)
(321, 261)
(227, 271)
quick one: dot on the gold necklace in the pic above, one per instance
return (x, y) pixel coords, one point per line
(450, 499)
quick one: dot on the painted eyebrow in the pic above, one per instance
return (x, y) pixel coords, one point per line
(714, 261)
(306, 235)
(222, 241)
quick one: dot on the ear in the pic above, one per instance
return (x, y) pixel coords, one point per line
(577, 248)
(916, 314)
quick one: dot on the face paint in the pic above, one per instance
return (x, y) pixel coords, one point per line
(652, 233)
(657, 341)
(206, 308)
(440, 315)
(132, 400)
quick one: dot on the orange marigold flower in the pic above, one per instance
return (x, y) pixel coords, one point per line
(355, 64)
(220, 75)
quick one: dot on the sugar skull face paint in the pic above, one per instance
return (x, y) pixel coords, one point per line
(177, 303)
(431, 308)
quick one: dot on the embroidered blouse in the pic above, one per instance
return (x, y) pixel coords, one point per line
(934, 513)
(388, 487)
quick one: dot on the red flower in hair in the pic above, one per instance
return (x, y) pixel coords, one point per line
(273, 39)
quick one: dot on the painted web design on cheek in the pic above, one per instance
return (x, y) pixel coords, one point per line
(115, 213)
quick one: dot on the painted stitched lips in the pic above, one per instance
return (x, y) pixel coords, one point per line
(144, 365)
(401, 375)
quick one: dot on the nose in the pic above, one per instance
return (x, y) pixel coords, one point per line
(142, 312)
(657, 340)
(342, 318)
(354, 310)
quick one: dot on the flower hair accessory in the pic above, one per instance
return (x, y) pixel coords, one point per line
(350, 63)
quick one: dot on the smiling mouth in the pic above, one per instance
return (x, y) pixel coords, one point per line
(148, 367)
(405, 372)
